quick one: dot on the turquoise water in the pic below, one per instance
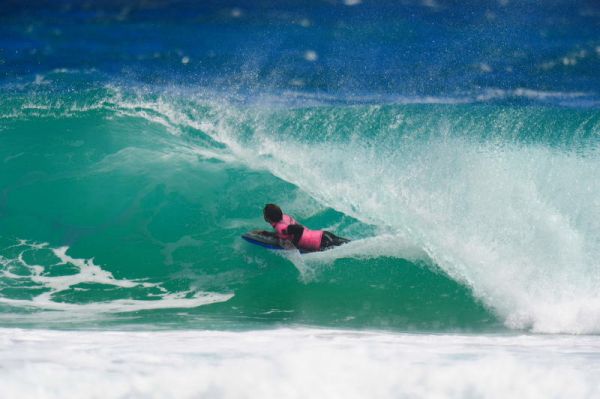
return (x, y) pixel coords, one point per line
(124, 207)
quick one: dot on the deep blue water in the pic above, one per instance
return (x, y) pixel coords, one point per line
(485, 49)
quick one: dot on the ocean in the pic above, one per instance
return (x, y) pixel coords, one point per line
(456, 143)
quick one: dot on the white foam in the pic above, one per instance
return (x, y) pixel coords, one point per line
(492, 94)
(32, 276)
(391, 245)
(311, 55)
(296, 363)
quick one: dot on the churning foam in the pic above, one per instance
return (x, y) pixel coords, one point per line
(75, 271)
(389, 245)
(296, 363)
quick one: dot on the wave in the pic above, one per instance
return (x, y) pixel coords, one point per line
(504, 200)
(515, 218)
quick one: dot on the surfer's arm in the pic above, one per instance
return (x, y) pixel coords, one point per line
(295, 230)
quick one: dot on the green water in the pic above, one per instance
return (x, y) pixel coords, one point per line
(156, 189)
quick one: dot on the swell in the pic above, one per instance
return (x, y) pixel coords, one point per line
(488, 205)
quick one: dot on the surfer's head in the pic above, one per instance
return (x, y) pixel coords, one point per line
(272, 213)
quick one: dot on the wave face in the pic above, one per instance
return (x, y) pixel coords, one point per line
(125, 206)
(456, 144)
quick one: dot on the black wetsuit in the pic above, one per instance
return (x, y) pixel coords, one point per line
(327, 241)
(331, 240)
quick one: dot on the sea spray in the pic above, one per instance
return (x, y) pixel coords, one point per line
(502, 200)
(515, 218)
(510, 209)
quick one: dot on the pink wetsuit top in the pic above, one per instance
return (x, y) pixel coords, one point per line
(282, 225)
(310, 239)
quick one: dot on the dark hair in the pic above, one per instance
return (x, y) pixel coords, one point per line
(272, 213)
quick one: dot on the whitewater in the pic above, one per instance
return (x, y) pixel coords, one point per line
(323, 362)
